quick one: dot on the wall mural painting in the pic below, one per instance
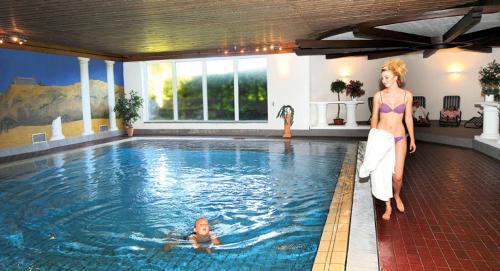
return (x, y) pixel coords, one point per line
(36, 88)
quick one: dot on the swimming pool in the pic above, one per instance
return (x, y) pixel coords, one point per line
(112, 207)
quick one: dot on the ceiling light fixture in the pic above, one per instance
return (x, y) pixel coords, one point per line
(234, 49)
(14, 38)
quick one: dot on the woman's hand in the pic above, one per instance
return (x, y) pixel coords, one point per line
(413, 147)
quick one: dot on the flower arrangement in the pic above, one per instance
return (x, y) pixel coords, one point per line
(489, 78)
(354, 89)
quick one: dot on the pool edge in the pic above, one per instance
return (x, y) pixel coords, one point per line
(332, 249)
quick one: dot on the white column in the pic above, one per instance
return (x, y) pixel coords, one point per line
(85, 92)
(490, 120)
(321, 109)
(111, 94)
(351, 113)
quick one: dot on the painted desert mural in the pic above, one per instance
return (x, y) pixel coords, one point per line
(37, 88)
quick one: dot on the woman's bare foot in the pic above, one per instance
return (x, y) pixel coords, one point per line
(399, 204)
(387, 214)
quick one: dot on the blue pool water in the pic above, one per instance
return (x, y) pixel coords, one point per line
(113, 207)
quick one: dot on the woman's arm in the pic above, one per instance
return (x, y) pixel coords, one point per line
(375, 109)
(409, 120)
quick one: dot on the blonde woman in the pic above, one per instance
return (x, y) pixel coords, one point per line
(390, 106)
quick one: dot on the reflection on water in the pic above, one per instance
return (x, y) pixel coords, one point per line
(117, 203)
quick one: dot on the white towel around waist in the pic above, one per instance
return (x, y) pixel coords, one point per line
(379, 161)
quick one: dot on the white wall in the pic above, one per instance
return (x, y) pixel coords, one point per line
(431, 78)
(324, 72)
(287, 84)
(428, 77)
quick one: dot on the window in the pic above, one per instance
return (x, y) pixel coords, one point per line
(220, 89)
(160, 95)
(204, 90)
(252, 86)
(190, 90)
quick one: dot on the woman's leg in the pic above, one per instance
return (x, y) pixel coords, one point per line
(397, 177)
(388, 210)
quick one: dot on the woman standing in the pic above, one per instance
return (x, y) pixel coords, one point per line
(390, 106)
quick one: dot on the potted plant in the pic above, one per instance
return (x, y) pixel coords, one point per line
(286, 112)
(338, 87)
(128, 110)
(354, 89)
(489, 78)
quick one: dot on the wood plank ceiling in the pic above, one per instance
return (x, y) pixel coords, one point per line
(154, 29)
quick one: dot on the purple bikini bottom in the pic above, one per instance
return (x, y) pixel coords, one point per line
(398, 138)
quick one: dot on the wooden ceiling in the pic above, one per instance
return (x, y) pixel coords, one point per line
(155, 29)
(475, 28)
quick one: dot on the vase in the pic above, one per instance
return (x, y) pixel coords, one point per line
(287, 133)
(130, 131)
(489, 98)
(354, 98)
(338, 121)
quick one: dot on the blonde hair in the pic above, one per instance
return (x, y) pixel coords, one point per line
(398, 67)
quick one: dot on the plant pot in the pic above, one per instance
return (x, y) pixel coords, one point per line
(287, 133)
(338, 121)
(130, 131)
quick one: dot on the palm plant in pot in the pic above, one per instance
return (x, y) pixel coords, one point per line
(489, 78)
(338, 87)
(286, 112)
(128, 110)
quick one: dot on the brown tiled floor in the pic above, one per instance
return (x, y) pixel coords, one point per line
(452, 218)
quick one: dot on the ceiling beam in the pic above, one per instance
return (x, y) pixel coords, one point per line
(412, 17)
(43, 47)
(377, 55)
(467, 22)
(328, 51)
(334, 32)
(479, 49)
(384, 34)
(333, 56)
(371, 54)
(198, 54)
(427, 53)
(348, 44)
(482, 34)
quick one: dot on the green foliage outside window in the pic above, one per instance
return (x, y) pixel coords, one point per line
(220, 91)
(253, 95)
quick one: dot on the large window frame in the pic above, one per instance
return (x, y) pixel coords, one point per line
(204, 61)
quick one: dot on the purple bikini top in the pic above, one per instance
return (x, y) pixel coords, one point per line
(400, 109)
(385, 108)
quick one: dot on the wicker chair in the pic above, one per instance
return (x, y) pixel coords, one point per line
(450, 101)
(475, 122)
(427, 123)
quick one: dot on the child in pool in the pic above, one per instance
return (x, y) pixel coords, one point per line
(201, 238)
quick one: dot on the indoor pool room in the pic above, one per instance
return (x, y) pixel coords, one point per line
(253, 135)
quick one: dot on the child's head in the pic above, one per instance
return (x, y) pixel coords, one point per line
(201, 226)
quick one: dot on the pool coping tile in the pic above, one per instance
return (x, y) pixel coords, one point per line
(332, 250)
